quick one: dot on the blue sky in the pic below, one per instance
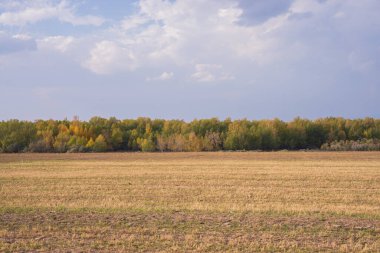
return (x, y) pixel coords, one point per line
(189, 59)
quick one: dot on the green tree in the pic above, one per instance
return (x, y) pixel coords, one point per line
(264, 136)
(90, 144)
(62, 139)
(296, 134)
(100, 144)
(15, 135)
(116, 138)
(147, 145)
(238, 136)
(315, 135)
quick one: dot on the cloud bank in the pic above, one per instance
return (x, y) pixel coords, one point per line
(21, 13)
(298, 57)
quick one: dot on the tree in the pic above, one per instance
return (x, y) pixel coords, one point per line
(90, 144)
(194, 143)
(162, 143)
(147, 145)
(61, 142)
(100, 144)
(176, 143)
(315, 135)
(144, 134)
(116, 138)
(296, 134)
(238, 136)
(77, 144)
(15, 136)
(62, 139)
(212, 141)
(43, 142)
(264, 136)
(132, 137)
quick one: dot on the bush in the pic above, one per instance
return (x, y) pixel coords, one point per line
(40, 146)
(359, 145)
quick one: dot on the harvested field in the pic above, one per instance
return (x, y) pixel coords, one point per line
(200, 202)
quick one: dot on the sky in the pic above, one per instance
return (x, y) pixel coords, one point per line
(188, 59)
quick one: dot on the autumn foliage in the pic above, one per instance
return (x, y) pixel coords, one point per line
(148, 135)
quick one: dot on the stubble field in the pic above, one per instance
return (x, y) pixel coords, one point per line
(190, 202)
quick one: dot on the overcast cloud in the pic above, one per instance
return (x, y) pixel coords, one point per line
(189, 59)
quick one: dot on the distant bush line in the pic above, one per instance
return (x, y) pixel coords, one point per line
(144, 134)
(359, 145)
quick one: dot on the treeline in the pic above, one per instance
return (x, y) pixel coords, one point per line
(144, 134)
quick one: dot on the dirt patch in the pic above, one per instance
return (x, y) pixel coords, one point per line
(202, 156)
(184, 231)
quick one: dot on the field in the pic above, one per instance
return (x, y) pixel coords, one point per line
(190, 202)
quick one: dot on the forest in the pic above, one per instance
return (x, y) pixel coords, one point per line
(150, 135)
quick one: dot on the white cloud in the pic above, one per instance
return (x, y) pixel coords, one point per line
(59, 43)
(308, 53)
(232, 15)
(156, 10)
(68, 17)
(163, 77)
(22, 36)
(108, 57)
(179, 33)
(302, 6)
(35, 11)
(210, 73)
(183, 34)
(16, 43)
(203, 72)
(29, 15)
(166, 76)
(133, 22)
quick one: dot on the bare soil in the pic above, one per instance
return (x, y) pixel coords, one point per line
(63, 231)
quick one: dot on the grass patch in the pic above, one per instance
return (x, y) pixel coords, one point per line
(207, 202)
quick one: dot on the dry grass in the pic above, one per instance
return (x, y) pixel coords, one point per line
(288, 201)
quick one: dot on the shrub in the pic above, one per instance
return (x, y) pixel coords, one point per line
(359, 145)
